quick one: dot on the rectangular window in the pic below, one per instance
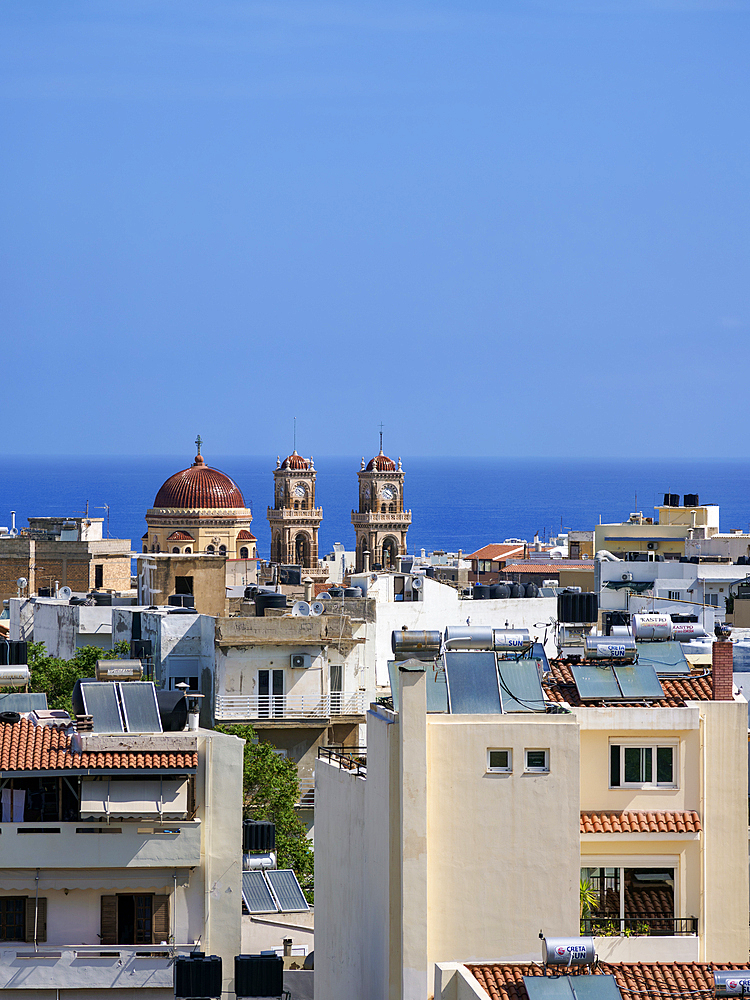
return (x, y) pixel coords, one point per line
(98, 575)
(500, 761)
(674, 595)
(537, 761)
(183, 585)
(270, 692)
(13, 918)
(712, 599)
(636, 766)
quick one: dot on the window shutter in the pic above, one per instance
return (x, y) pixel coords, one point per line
(40, 907)
(614, 751)
(161, 926)
(109, 920)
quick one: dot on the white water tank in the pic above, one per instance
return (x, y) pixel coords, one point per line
(568, 951)
(651, 626)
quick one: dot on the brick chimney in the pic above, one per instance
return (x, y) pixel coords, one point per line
(721, 676)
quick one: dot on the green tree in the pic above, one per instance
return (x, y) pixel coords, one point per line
(57, 678)
(270, 792)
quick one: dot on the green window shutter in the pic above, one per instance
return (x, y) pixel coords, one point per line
(161, 926)
(36, 919)
(109, 920)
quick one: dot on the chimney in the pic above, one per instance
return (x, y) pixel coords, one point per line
(366, 561)
(308, 585)
(722, 683)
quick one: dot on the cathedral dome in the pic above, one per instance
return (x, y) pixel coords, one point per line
(381, 463)
(295, 461)
(199, 487)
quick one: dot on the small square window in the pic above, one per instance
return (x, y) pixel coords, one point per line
(537, 761)
(500, 761)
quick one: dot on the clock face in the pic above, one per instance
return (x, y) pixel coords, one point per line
(299, 491)
(387, 493)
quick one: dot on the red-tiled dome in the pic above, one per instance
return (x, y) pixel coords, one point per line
(199, 486)
(180, 536)
(381, 463)
(246, 536)
(295, 461)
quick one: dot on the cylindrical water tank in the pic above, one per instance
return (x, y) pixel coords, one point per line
(651, 626)
(501, 591)
(568, 951)
(532, 590)
(609, 647)
(510, 640)
(263, 601)
(482, 592)
(405, 643)
(731, 983)
(14, 677)
(517, 590)
(685, 631)
(468, 637)
(119, 670)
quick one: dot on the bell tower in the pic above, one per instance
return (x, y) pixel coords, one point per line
(294, 518)
(381, 522)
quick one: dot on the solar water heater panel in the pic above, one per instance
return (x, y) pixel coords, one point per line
(472, 683)
(665, 657)
(287, 890)
(520, 687)
(595, 987)
(256, 894)
(639, 682)
(595, 682)
(140, 708)
(547, 987)
(100, 702)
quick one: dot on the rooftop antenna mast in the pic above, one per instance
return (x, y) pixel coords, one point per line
(295, 435)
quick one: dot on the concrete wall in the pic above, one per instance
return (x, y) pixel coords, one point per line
(156, 580)
(262, 932)
(64, 628)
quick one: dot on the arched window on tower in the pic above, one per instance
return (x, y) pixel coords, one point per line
(382, 508)
(296, 504)
(244, 554)
(210, 550)
(188, 551)
(175, 549)
(391, 508)
(222, 550)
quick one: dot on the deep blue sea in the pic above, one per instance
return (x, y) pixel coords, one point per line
(455, 502)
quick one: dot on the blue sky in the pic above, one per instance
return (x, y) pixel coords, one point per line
(502, 228)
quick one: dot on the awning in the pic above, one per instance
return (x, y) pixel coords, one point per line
(119, 879)
(165, 798)
(638, 587)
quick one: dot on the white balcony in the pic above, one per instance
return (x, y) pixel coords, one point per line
(302, 708)
(104, 845)
(89, 967)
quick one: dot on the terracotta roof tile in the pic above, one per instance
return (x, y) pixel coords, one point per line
(180, 536)
(559, 686)
(26, 747)
(200, 486)
(640, 822)
(636, 981)
(495, 550)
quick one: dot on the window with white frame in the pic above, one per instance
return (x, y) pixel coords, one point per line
(500, 761)
(674, 595)
(712, 599)
(637, 764)
(537, 761)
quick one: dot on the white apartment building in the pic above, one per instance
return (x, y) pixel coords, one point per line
(119, 852)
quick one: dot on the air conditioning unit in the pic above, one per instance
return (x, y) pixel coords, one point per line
(299, 661)
(627, 577)
(652, 545)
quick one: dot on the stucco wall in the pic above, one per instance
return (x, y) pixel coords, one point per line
(342, 954)
(500, 837)
(262, 932)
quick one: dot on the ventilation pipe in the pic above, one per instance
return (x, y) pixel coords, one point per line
(308, 585)
(366, 561)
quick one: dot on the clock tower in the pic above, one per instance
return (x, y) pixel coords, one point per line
(381, 522)
(294, 518)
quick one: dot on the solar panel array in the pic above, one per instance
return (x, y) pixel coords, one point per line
(482, 683)
(127, 707)
(617, 683)
(272, 891)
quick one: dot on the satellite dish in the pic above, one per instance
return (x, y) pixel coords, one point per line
(22, 582)
(301, 609)
(417, 583)
(374, 577)
(325, 596)
(66, 593)
(317, 608)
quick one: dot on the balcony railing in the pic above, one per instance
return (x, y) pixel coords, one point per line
(639, 926)
(352, 759)
(282, 513)
(404, 515)
(289, 706)
(83, 967)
